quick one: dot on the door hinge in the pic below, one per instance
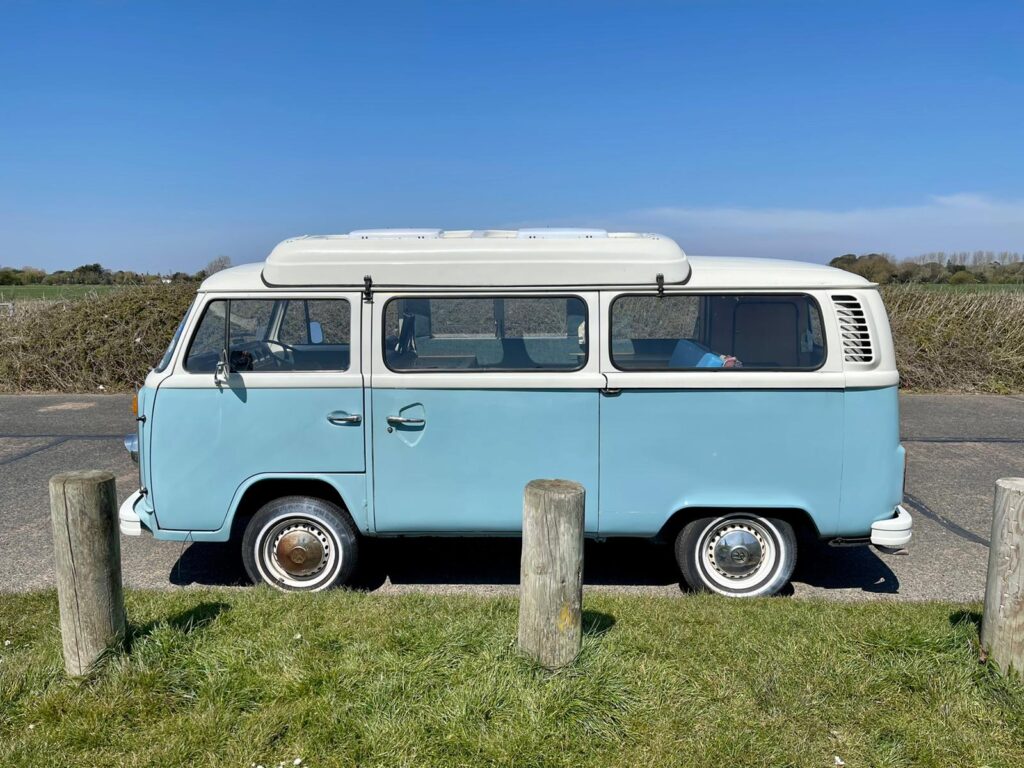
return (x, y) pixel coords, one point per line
(611, 391)
(368, 289)
(141, 419)
(660, 280)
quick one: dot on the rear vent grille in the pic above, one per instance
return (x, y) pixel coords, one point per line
(853, 328)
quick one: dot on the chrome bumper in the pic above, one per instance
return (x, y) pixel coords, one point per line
(131, 444)
(129, 522)
(894, 532)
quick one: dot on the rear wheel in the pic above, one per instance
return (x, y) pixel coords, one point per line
(300, 544)
(739, 555)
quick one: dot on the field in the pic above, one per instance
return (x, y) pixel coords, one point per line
(242, 677)
(53, 292)
(970, 287)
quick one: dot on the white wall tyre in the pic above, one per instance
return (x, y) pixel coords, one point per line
(738, 554)
(300, 544)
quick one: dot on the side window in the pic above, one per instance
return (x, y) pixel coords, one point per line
(272, 335)
(492, 333)
(720, 331)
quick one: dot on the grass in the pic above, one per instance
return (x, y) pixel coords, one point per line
(219, 677)
(54, 292)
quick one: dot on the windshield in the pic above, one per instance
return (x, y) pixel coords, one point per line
(166, 359)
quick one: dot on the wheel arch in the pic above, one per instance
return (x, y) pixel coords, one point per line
(259, 490)
(801, 520)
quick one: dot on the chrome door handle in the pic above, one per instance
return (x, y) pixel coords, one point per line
(397, 421)
(340, 417)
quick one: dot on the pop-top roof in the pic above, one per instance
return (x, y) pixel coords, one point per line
(434, 257)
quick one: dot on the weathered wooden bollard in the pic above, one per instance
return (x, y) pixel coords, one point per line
(83, 508)
(551, 573)
(1002, 626)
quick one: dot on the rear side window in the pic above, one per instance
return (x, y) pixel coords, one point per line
(490, 333)
(267, 335)
(717, 332)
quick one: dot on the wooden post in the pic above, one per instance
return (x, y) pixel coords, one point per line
(551, 574)
(83, 508)
(1002, 626)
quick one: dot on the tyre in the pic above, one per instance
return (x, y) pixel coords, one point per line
(738, 554)
(300, 544)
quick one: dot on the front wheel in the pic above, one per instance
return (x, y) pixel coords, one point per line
(738, 555)
(300, 544)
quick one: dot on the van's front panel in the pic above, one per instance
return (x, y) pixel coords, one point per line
(289, 402)
(472, 398)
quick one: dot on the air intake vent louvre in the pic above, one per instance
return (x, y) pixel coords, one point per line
(853, 328)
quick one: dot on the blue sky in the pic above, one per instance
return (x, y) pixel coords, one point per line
(157, 135)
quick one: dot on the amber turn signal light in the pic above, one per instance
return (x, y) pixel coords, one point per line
(135, 405)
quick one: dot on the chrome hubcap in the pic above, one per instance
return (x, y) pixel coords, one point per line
(737, 553)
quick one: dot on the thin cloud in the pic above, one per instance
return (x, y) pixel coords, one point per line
(960, 222)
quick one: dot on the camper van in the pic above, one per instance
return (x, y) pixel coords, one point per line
(411, 383)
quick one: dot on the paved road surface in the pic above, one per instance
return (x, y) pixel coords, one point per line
(957, 446)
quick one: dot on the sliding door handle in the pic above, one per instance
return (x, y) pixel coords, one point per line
(340, 417)
(405, 421)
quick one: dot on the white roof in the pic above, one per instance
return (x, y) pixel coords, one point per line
(731, 272)
(478, 258)
(525, 258)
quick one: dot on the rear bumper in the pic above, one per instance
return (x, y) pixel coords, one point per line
(128, 520)
(894, 531)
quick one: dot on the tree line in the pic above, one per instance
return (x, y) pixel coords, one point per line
(97, 274)
(959, 268)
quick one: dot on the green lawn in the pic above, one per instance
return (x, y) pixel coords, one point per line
(22, 292)
(236, 677)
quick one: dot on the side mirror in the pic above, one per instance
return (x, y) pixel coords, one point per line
(316, 332)
(220, 375)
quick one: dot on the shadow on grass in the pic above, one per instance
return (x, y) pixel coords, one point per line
(186, 622)
(596, 623)
(956, 618)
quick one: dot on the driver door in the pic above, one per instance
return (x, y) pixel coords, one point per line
(291, 403)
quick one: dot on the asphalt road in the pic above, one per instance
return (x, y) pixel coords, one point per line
(958, 445)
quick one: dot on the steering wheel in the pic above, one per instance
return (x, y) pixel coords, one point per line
(289, 357)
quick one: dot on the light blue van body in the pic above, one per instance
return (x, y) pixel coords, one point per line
(643, 456)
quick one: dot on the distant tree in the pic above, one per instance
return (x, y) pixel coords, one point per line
(846, 261)
(963, 277)
(216, 265)
(32, 275)
(909, 272)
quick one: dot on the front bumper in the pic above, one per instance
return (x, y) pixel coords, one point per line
(131, 444)
(127, 518)
(893, 532)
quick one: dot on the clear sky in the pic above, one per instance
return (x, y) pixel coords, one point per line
(157, 135)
